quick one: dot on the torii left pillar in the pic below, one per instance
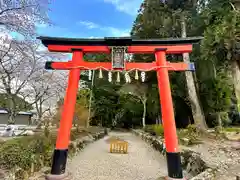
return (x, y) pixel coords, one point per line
(63, 138)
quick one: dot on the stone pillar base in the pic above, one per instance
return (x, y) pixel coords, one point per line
(58, 177)
(169, 178)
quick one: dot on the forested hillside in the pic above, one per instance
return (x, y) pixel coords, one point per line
(208, 97)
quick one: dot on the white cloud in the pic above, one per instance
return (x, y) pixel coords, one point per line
(112, 31)
(88, 24)
(41, 25)
(42, 48)
(127, 6)
(118, 32)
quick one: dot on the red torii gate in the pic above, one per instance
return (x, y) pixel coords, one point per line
(160, 47)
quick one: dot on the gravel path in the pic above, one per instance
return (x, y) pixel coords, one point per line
(96, 163)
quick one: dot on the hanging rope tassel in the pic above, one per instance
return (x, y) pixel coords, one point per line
(89, 75)
(127, 78)
(118, 76)
(143, 76)
(110, 76)
(100, 74)
(136, 75)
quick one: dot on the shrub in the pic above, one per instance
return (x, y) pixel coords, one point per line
(24, 151)
(191, 133)
(158, 129)
(19, 153)
(226, 121)
(154, 129)
(76, 133)
(232, 129)
(149, 129)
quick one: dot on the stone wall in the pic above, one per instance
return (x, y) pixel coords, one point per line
(79, 144)
(194, 167)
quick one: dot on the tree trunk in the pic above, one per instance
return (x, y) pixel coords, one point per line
(158, 120)
(219, 120)
(38, 106)
(90, 100)
(144, 113)
(11, 118)
(198, 115)
(236, 81)
(39, 118)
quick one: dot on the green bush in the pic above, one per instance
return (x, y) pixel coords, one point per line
(158, 129)
(154, 129)
(149, 129)
(232, 129)
(17, 152)
(24, 151)
(21, 152)
(75, 134)
(191, 133)
(226, 121)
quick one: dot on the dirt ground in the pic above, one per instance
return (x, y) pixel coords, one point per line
(222, 154)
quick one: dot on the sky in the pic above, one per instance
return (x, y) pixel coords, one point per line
(90, 18)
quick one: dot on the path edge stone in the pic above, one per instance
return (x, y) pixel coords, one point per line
(189, 158)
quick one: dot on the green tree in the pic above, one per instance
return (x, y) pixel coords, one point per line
(139, 91)
(216, 95)
(82, 107)
(218, 22)
(222, 37)
(21, 104)
(182, 11)
(157, 20)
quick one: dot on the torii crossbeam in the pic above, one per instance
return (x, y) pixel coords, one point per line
(159, 47)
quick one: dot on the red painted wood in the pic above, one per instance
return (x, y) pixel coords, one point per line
(86, 49)
(177, 49)
(128, 66)
(170, 132)
(69, 106)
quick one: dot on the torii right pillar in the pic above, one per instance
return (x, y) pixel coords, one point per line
(170, 132)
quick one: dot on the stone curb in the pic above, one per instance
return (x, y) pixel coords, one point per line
(192, 160)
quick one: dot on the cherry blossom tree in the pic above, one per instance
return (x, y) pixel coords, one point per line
(18, 62)
(23, 16)
(44, 90)
(22, 74)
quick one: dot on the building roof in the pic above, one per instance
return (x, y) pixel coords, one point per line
(25, 113)
(116, 41)
(5, 111)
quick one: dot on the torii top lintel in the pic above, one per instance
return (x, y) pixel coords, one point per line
(170, 46)
(173, 46)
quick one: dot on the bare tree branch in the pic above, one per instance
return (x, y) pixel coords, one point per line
(15, 9)
(23, 16)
